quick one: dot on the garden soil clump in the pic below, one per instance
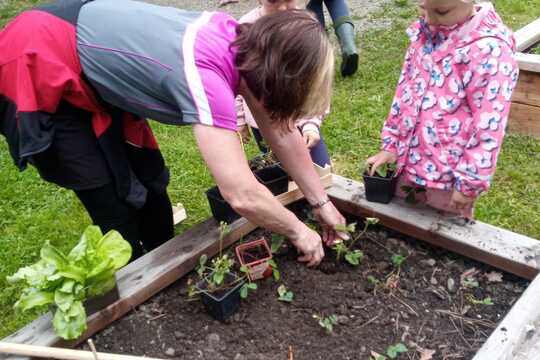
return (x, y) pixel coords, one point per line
(435, 300)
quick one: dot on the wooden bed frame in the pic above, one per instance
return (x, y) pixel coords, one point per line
(517, 336)
(525, 110)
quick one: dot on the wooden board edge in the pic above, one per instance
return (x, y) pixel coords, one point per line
(433, 235)
(528, 62)
(528, 35)
(512, 335)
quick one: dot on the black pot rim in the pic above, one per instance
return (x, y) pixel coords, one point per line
(218, 299)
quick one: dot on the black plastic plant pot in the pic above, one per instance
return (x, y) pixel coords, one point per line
(379, 189)
(221, 210)
(274, 178)
(221, 304)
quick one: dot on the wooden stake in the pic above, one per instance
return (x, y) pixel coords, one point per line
(60, 353)
(93, 348)
(291, 354)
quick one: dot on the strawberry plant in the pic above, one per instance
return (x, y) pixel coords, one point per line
(411, 193)
(65, 281)
(284, 294)
(344, 248)
(326, 322)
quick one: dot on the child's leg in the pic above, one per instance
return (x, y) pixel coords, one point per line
(260, 140)
(441, 199)
(319, 154)
(316, 7)
(344, 28)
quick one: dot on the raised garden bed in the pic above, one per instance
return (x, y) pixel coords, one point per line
(264, 328)
(376, 305)
(525, 111)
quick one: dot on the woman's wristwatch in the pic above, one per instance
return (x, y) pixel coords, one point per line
(321, 203)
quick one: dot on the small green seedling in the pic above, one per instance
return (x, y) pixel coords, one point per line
(284, 294)
(275, 271)
(394, 350)
(344, 248)
(327, 323)
(373, 280)
(276, 242)
(411, 192)
(385, 170)
(248, 286)
(486, 301)
(398, 260)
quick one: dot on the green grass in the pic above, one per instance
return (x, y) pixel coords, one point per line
(32, 211)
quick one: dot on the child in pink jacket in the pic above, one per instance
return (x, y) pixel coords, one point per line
(310, 128)
(449, 114)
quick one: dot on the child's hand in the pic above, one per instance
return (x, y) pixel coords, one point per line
(243, 131)
(311, 138)
(463, 204)
(384, 157)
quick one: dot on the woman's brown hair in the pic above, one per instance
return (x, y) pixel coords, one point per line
(287, 63)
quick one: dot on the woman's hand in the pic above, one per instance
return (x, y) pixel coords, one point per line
(463, 204)
(311, 137)
(328, 216)
(309, 244)
(383, 157)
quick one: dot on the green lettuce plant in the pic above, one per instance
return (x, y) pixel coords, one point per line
(65, 281)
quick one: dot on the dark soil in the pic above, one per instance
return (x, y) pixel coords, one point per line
(424, 305)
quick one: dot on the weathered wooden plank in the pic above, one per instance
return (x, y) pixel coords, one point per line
(528, 35)
(527, 90)
(528, 62)
(518, 336)
(524, 120)
(148, 275)
(515, 253)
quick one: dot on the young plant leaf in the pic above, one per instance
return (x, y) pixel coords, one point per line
(372, 221)
(354, 257)
(284, 294)
(394, 350)
(397, 260)
(276, 242)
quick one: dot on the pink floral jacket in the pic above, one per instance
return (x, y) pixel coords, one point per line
(449, 114)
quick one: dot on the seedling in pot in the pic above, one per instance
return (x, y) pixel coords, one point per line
(219, 286)
(284, 294)
(255, 256)
(381, 186)
(344, 248)
(326, 322)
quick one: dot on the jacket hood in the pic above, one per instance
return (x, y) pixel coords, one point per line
(485, 23)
